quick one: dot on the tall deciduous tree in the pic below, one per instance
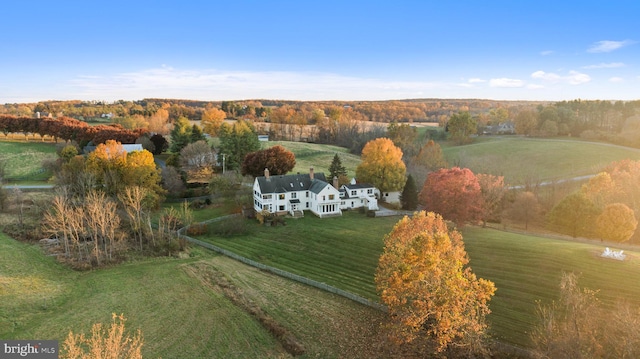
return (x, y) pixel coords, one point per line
(493, 189)
(430, 157)
(525, 208)
(409, 196)
(454, 193)
(526, 122)
(461, 126)
(616, 223)
(277, 159)
(212, 119)
(432, 295)
(575, 215)
(404, 136)
(382, 165)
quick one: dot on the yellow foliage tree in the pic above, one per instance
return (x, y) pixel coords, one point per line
(111, 343)
(431, 295)
(617, 223)
(114, 169)
(212, 119)
(382, 165)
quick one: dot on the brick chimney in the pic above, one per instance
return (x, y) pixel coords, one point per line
(335, 182)
(311, 173)
(266, 173)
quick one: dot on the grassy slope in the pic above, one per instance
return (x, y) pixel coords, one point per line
(343, 252)
(519, 158)
(24, 159)
(179, 315)
(318, 156)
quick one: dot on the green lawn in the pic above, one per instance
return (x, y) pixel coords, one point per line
(344, 251)
(317, 156)
(520, 159)
(24, 159)
(180, 314)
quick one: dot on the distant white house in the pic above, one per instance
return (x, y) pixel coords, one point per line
(263, 138)
(295, 193)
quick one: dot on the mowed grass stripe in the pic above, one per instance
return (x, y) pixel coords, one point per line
(344, 252)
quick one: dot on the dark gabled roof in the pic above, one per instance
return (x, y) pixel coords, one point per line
(317, 186)
(289, 183)
(358, 186)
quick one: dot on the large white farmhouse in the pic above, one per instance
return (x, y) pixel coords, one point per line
(295, 193)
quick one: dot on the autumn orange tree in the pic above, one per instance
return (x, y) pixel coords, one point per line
(454, 193)
(432, 295)
(616, 223)
(212, 119)
(382, 165)
(277, 159)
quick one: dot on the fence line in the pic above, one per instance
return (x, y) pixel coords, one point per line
(279, 272)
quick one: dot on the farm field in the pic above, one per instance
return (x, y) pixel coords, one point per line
(521, 159)
(24, 159)
(344, 251)
(317, 156)
(180, 312)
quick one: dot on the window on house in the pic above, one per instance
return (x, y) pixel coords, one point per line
(324, 198)
(294, 195)
(353, 193)
(331, 197)
(307, 194)
(307, 204)
(281, 196)
(370, 191)
(281, 208)
(266, 196)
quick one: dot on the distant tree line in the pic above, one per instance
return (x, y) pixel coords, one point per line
(68, 129)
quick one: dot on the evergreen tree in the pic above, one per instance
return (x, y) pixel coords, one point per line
(197, 134)
(336, 169)
(236, 142)
(409, 196)
(180, 134)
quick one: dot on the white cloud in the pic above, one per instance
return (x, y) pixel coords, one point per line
(603, 65)
(546, 52)
(573, 78)
(616, 79)
(476, 81)
(506, 82)
(168, 82)
(535, 86)
(608, 46)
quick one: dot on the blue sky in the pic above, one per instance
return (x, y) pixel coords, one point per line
(319, 50)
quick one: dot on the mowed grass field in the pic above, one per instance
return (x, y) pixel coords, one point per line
(317, 156)
(344, 251)
(24, 159)
(519, 159)
(180, 313)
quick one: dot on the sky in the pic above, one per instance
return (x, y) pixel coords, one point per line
(319, 50)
